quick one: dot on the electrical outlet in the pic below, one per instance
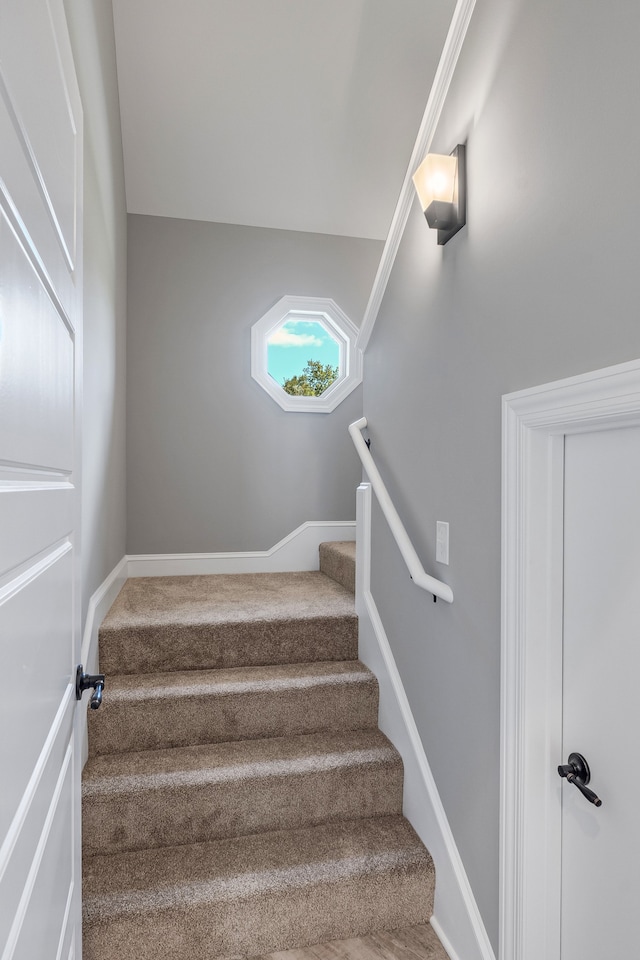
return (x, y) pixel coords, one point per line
(442, 541)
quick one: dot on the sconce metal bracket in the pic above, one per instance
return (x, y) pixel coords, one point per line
(459, 213)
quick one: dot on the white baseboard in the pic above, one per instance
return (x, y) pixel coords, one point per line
(444, 940)
(297, 551)
(99, 604)
(456, 919)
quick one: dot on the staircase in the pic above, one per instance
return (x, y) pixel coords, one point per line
(238, 798)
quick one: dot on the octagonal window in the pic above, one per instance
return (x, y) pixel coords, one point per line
(304, 354)
(303, 357)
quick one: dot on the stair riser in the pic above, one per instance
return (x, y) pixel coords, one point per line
(186, 647)
(172, 817)
(156, 724)
(264, 923)
(341, 568)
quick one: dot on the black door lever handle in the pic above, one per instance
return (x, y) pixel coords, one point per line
(86, 681)
(577, 772)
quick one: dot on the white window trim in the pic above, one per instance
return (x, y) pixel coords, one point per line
(322, 310)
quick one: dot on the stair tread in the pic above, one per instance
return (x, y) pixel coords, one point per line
(237, 760)
(240, 868)
(195, 794)
(160, 710)
(233, 680)
(150, 602)
(164, 624)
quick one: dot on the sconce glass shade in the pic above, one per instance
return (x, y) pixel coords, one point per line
(435, 179)
(440, 185)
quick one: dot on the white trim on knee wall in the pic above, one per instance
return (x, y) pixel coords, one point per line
(98, 607)
(297, 551)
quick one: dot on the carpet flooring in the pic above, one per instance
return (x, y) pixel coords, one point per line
(238, 798)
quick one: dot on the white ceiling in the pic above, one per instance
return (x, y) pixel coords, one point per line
(296, 114)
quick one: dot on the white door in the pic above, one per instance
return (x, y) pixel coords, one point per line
(40, 311)
(601, 705)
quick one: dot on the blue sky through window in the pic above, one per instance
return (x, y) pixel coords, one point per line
(294, 343)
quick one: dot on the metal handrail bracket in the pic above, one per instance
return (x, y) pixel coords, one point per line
(411, 558)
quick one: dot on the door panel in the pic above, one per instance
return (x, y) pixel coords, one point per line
(35, 665)
(38, 511)
(36, 365)
(40, 366)
(49, 889)
(601, 659)
(45, 125)
(21, 842)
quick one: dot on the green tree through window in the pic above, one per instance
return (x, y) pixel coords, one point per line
(313, 381)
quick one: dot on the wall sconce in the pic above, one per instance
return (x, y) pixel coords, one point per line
(441, 185)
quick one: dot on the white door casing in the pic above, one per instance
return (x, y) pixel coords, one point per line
(40, 391)
(535, 424)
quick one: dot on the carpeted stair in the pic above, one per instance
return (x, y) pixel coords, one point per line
(239, 798)
(338, 561)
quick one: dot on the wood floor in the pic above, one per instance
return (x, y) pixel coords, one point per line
(409, 943)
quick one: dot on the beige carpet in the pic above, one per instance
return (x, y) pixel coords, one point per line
(188, 623)
(239, 798)
(338, 561)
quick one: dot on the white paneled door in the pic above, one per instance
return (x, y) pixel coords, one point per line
(601, 708)
(40, 342)
(570, 880)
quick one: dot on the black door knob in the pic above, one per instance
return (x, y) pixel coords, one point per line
(577, 772)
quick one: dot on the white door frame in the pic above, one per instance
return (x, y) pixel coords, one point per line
(535, 422)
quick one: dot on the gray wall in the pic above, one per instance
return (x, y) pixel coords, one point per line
(213, 463)
(543, 283)
(105, 244)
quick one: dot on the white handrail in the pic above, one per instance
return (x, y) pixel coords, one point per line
(411, 558)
